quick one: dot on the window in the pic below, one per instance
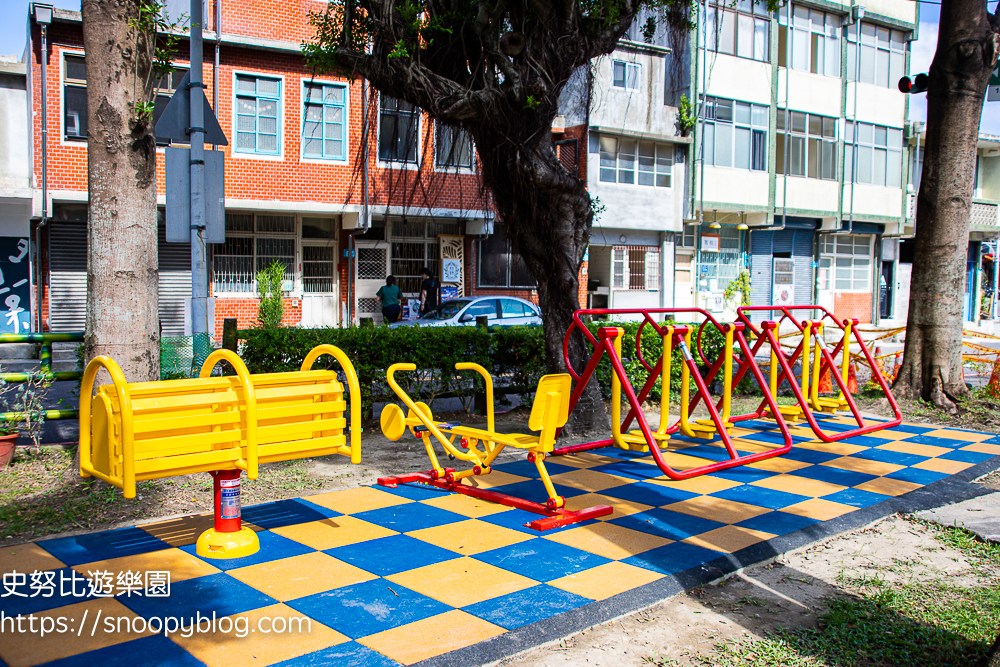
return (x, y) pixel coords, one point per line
(811, 43)
(735, 134)
(849, 256)
(625, 75)
(165, 89)
(511, 308)
(741, 28)
(323, 121)
(74, 97)
(499, 265)
(635, 267)
(631, 161)
(880, 154)
(397, 131)
(689, 236)
(257, 119)
(883, 53)
(811, 145)
(318, 254)
(480, 308)
(415, 244)
(252, 243)
(454, 147)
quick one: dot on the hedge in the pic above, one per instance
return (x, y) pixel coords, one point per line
(514, 356)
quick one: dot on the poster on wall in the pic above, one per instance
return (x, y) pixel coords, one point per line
(15, 290)
(783, 282)
(452, 263)
(450, 292)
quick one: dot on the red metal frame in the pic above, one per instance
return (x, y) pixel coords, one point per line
(603, 343)
(554, 518)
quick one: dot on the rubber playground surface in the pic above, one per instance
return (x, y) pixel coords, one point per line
(414, 574)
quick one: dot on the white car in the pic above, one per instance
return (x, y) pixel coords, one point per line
(505, 311)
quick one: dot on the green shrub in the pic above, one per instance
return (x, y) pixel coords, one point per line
(272, 307)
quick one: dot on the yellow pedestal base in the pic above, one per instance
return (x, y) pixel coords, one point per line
(212, 544)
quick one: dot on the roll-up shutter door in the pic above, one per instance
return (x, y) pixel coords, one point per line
(67, 276)
(760, 270)
(802, 254)
(175, 283)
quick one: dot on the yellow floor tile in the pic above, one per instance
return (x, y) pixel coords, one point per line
(185, 531)
(27, 558)
(583, 460)
(335, 532)
(913, 448)
(225, 649)
(778, 464)
(298, 576)
(888, 487)
(466, 505)
(888, 434)
(943, 465)
(841, 448)
(817, 508)
(959, 435)
(609, 540)
(701, 484)
(742, 432)
(180, 564)
(728, 538)
(983, 448)
(588, 480)
(470, 537)
(606, 580)
(799, 485)
(863, 465)
(754, 447)
(354, 501)
(494, 479)
(717, 509)
(679, 461)
(620, 507)
(22, 650)
(450, 631)
(462, 581)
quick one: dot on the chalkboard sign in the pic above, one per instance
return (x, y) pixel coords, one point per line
(15, 286)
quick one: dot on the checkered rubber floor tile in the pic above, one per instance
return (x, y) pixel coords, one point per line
(378, 577)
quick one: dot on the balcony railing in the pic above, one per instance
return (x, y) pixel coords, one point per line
(983, 213)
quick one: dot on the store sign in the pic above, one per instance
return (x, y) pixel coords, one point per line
(710, 242)
(783, 282)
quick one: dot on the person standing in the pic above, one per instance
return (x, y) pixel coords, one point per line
(389, 294)
(430, 292)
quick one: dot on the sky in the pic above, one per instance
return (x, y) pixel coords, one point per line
(14, 14)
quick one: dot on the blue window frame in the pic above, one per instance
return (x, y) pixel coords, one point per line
(323, 121)
(258, 104)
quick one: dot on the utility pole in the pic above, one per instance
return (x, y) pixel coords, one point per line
(199, 260)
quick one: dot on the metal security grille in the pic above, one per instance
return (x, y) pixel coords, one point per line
(371, 263)
(725, 264)
(635, 267)
(317, 269)
(368, 306)
(253, 242)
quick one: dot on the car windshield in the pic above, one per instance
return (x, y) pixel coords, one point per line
(446, 310)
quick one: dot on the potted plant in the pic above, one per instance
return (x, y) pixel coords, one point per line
(23, 400)
(8, 439)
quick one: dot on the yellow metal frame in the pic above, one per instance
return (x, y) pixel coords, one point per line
(822, 403)
(796, 412)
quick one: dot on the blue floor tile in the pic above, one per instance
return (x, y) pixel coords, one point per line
(762, 424)
(837, 427)
(966, 456)
(916, 430)
(325, 511)
(348, 654)
(856, 498)
(810, 455)
(779, 523)
(516, 520)
(542, 560)
(710, 453)
(759, 496)
(391, 555)
(672, 558)
(528, 469)
(411, 516)
(414, 491)
(534, 490)
(887, 456)
(744, 475)
(68, 587)
(833, 475)
(272, 547)
(105, 545)
(527, 606)
(666, 523)
(630, 470)
(936, 441)
(656, 495)
(282, 513)
(917, 476)
(866, 441)
(214, 593)
(620, 454)
(773, 438)
(367, 608)
(152, 651)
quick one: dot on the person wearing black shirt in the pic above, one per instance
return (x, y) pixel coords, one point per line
(430, 292)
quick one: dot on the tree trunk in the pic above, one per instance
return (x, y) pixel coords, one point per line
(122, 268)
(991, 659)
(547, 212)
(966, 52)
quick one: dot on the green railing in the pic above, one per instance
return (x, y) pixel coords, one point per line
(45, 359)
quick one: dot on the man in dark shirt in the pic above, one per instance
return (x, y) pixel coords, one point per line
(430, 292)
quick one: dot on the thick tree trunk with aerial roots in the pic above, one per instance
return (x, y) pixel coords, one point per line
(968, 43)
(496, 70)
(122, 269)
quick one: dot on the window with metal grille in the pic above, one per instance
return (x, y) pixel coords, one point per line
(499, 264)
(635, 267)
(723, 265)
(74, 97)
(319, 238)
(398, 125)
(845, 262)
(252, 243)
(258, 118)
(415, 244)
(323, 121)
